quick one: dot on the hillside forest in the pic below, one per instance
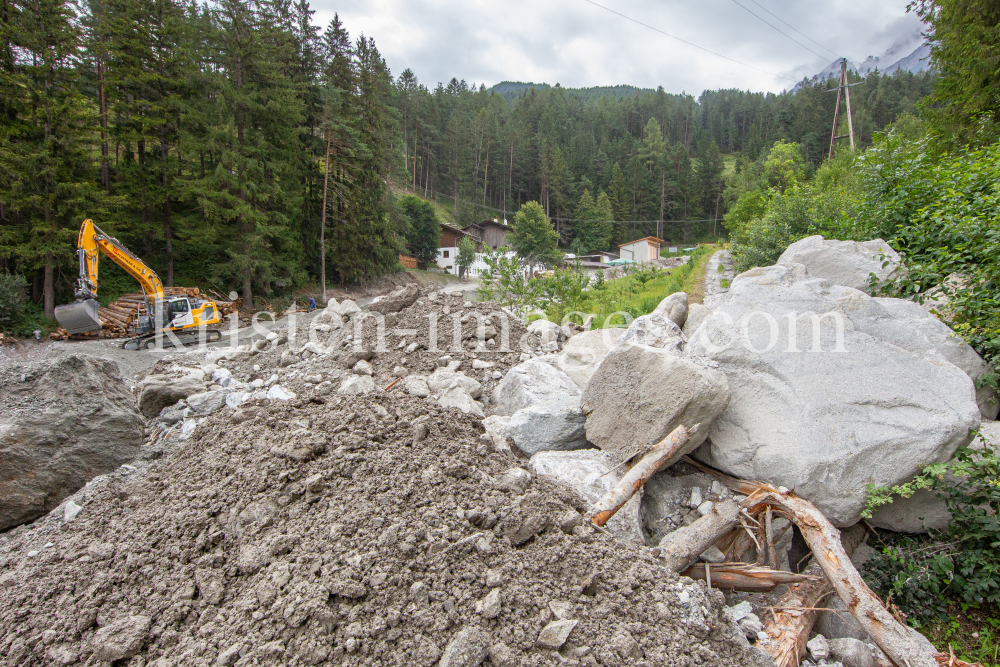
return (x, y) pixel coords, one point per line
(237, 146)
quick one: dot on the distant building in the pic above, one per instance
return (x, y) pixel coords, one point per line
(641, 250)
(489, 233)
(451, 235)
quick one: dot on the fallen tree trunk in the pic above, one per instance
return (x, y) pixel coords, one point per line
(746, 578)
(663, 454)
(683, 546)
(791, 620)
(824, 541)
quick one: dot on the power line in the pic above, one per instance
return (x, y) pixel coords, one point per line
(646, 25)
(779, 30)
(617, 222)
(835, 54)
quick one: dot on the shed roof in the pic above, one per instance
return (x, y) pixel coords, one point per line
(651, 239)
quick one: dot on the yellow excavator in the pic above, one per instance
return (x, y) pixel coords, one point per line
(186, 318)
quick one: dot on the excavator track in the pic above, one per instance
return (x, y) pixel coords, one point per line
(149, 342)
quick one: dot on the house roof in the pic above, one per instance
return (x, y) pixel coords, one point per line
(454, 229)
(480, 225)
(651, 239)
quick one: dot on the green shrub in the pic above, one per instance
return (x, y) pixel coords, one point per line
(962, 561)
(13, 301)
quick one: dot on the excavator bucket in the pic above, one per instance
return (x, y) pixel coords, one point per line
(79, 316)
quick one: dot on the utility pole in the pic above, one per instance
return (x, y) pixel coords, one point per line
(844, 87)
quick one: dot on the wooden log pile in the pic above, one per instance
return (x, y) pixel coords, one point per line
(736, 530)
(118, 316)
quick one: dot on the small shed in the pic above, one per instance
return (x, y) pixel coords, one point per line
(641, 250)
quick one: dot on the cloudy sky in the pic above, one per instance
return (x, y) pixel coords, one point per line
(577, 44)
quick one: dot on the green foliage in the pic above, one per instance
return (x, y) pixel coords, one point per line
(502, 281)
(423, 236)
(13, 297)
(949, 237)
(466, 253)
(533, 237)
(962, 561)
(593, 227)
(772, 219)
(964, 44)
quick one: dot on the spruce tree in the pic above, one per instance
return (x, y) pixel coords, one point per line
(48, 136)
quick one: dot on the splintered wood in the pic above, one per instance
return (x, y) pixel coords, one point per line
(665, 453)
(790, 630)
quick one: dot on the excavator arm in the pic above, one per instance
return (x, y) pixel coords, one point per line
(81, 315)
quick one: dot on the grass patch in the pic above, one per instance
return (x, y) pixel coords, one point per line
(971, 631)
(641, 292)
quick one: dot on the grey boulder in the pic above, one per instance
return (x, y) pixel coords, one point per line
(847, 263)
(697, 313)
(640, 393)
(674, 307)
(583, 353)
(396, 300)
(62, 423)
(206, 402)
(818, 404)
(163, 389)
(543, 404)
(589, 473)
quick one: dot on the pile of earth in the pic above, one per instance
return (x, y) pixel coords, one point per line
(408, 346)
(359, 530)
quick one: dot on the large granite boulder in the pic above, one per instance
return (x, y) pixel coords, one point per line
(589, 472)
(583, 353)
(641, 392)
(160, 390)
(847, 263)
(912, 328)
(62, 423)
(824, 401)
(543, 404)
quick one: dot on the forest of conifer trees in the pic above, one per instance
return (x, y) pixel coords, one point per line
(200, 136)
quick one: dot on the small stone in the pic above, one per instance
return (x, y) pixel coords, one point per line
(496, 375)
(525, 356)
(362, 368)
(555, 634)
(696, 498)
(706, 508)
(480, 365)
(489, 606)
(739, 611)
(468, 648)
(444, 361)
(561, 609)
(411, 348)
(818, 648)
(494, 578)
(120, 639)
(713, 555)
(851, 652)
(420, 432)
(718, 489)
(229, 656)
(71, 511)
(751, 625)
(516, 480)
(32, 553)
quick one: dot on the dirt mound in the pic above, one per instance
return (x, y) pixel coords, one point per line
(415, 340)
(368, 530)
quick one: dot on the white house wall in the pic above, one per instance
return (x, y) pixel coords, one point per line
(450, 263)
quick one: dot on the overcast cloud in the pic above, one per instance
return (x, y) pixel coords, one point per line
(577, 44)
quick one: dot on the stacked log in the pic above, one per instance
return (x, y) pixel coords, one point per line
(118, 316)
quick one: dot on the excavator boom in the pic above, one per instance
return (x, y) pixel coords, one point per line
(81, 315)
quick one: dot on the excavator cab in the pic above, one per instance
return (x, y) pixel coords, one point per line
(179, 313)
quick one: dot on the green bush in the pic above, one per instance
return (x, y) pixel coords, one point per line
(13, 302)
(962, 561)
